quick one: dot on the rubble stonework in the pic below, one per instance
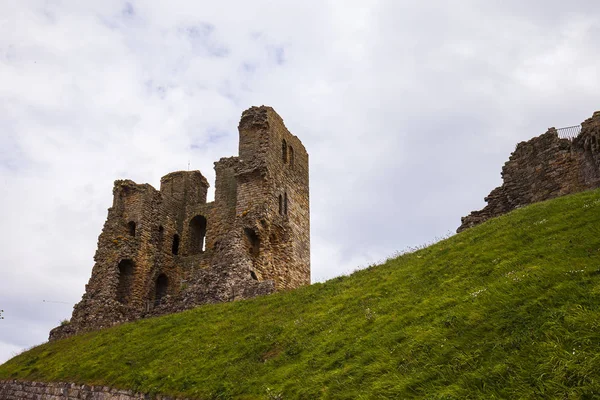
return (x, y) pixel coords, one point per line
(543, 168)
(19, 390)
(163, 251)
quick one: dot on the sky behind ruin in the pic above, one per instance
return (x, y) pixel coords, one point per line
(408, 112)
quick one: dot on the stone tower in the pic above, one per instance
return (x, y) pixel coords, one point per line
(169, 250)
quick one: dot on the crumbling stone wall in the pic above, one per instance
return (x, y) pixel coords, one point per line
(543, 168)
(19, 390)
(168, 250)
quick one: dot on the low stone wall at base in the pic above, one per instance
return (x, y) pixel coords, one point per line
(23, 390)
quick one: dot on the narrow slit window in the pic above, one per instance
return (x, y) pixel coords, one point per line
(175, 246)
(285, 203)
(291, 151)
(197, 234)
(284, 151)
(131, 228)
(161, 234)
(280, 205)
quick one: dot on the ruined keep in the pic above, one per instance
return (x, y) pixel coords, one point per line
(167, 250)
(547, 166)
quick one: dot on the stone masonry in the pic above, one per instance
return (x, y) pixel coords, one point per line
(164, 251)
(20, 390)
(543, 168)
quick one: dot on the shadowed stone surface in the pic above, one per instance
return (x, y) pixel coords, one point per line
(543, 168)
(164, 251)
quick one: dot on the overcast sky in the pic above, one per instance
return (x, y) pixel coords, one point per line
(408, 111)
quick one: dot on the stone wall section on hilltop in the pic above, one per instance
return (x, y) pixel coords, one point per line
(167, 250)
(543, 168)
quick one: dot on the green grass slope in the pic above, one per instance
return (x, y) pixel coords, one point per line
(508, 309)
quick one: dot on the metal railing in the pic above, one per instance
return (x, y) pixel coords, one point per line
(570, 132)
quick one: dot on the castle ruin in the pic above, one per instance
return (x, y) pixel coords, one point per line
(545, 167)
(167, 250)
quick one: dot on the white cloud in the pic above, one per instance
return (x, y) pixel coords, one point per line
(408, 113)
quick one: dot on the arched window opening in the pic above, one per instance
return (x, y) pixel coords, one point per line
(162, 284)
(175, 246)
(280, 205)
(285, 203)
(291, 156)
(197, 234)
(131, 228)
(284, 154)
(253, 275)
(252, 242)
(125, 268)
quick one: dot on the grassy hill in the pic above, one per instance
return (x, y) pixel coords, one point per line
(508, 309)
